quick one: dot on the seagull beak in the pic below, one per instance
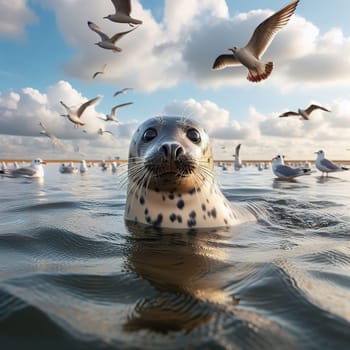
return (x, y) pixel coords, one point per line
(43, 162)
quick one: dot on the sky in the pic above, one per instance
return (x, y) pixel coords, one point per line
(48, 54)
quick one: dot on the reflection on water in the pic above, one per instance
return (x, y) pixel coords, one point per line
(72, 275)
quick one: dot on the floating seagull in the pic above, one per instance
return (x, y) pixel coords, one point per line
(100, 131)
(74, 116)
(68, 169)
(102, 71)
(55, 141)
(122, 91)
(237, 164)
(122, 13)
(83, 167)
(107, 42)
(304, 113)
(114, 167)
(325, 165)
(250, 55)
(35, 170)
(286, 172)
(112, 117)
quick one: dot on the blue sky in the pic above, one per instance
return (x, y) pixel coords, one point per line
(48, 54)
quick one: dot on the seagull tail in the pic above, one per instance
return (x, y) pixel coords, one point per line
(256, 75)
(344, 168)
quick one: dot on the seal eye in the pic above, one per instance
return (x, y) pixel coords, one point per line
(194, 135)
(149, 134)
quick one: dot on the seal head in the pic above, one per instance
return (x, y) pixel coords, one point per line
(170, 177)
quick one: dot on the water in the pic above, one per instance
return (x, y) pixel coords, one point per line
(73, 276)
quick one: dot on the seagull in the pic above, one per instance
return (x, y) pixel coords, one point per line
(68, 169)
(112, 117)
(99, 72)
(122, 13)
(286, 172)
(325, 165)
(114, 167)
(122, 91)
(100, 131)
(35, 170)
(83, 167)
(106, 41)
(304, 113)
(74, 116)
(250, 55)
(237, 164)
(55, 141)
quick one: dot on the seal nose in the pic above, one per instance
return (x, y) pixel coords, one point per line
(171, 151)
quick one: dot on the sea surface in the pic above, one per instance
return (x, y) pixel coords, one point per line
(74, 276)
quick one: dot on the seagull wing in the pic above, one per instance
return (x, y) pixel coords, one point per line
(126, 89)
(66, 107)
(108, 132)
(86, 105)
(266, 30)
(97, 30)
(288, 114)
(43, 126)
(24, 172)
(237, 150)
(311, 108)
(224, 61)
(286, 171)
(118, 36)
(328, 164)
(123, 6)
(119, 106)
(96, 74)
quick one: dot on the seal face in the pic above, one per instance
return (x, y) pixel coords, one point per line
(170, 173)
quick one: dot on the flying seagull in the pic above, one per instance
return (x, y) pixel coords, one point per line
(112, 117)
(74, 116)
(100, 131)
(304, 113)
(250, 55)
(99, 72)
(55, 141)
(106, 41)
(122, 91)
(286, 172)
(122, 13)
(326, 166)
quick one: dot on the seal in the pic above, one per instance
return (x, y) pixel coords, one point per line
(171, 180)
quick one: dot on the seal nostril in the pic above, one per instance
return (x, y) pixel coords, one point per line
(165, 150)
(171, 150)
(178, 151)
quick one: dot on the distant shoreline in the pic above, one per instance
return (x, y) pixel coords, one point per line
(123, 161)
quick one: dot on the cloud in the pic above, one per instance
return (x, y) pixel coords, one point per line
(15, 15)
(215, 120)
(21, 112)
(262, 136)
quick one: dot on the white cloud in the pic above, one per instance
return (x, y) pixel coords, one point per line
(15, 15)
(21, 112)
(262, 136)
